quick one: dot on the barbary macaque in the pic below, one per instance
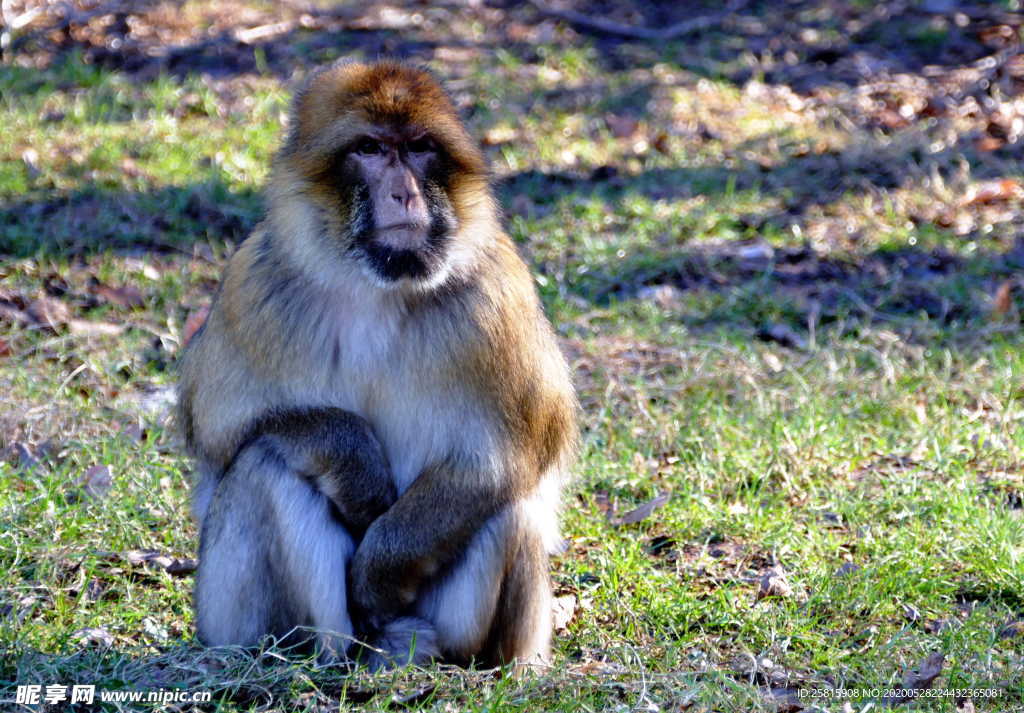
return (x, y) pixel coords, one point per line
(380, 414)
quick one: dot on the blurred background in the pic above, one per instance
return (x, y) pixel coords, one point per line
(782, 244)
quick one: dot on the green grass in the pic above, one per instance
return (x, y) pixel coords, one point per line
(878, 463)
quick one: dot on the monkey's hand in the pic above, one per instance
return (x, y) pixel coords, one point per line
(423, 532)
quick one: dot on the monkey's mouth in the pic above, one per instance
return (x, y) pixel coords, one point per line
(406, 251)
(403, 236)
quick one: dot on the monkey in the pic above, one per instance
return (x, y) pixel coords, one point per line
(381, 417)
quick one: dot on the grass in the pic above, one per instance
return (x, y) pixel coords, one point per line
(874, 458)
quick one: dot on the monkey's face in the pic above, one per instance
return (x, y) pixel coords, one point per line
(397, 182)
(399, 218)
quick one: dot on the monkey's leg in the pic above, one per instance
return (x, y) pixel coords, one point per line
(495, 601)
(272, 556)
(521, 628)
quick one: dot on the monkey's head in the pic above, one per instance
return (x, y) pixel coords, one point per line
(394, 180)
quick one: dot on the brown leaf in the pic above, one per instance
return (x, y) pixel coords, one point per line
(1004, 189)
(153, 558)
(786, 700)
(126, 296)
(97, 636)
(196, 319)
(660, 143)
(19, 454)
(95, 481)
(773, 584)
(500, 134)
(989, 143)
(918, 680)
(1012, 630)
(183, 566)
(563, 610)
(927, 672)
(1004, 298)
(622, 127)
(13, 315)
(5, 348)
(49, 312)
(643, 512)
(604, 504)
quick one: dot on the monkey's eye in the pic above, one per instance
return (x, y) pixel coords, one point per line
(369, 147)
(423, 144)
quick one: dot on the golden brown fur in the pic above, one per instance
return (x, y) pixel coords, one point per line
(458, 375)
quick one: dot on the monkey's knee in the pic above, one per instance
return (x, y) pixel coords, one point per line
(272, 558)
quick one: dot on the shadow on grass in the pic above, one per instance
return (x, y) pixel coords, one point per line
(94, 220)
(256, 679)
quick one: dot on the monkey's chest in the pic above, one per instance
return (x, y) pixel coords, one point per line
(417, 417)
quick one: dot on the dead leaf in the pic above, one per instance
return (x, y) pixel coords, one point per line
(774, 584)
(89, 328)
(786, 700)
(1004, 189)
(847, 568)
(604, 504)
(125, 296)
(93, 635)
(1012, 630)
(660, 545)
(501, 134)
(918, 680)
(153, 558)
(660, 143)
(985, 144)
(10, 313)
(49, 312)
(1003, 301)
(95, 481)
(643, 512)
(964, 705)
(597, 668)
(784, 335)
(664, 296)
(5, 348)
(182, 566)
(622, 127)
(196, 319)
(563, 610)
(30, 157)
(19, 454)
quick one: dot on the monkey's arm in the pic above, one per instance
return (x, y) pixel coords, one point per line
(425, 530)
(337, 451)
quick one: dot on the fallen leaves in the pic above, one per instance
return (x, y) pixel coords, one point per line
(93, 636)
(49, 312)
(127, 296)
(195, 321)
(563, 610)
(154, 559)
(917, 680)
(773, 584)
(642, 512)
(1003, 189)
(96, 481)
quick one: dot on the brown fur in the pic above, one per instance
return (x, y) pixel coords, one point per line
(476, 346)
